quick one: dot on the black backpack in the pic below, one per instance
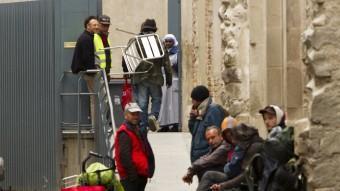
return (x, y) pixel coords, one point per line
(280, 169)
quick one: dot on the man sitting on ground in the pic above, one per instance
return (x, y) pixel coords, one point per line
(214, 159)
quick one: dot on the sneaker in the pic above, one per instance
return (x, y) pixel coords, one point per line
(153, 123)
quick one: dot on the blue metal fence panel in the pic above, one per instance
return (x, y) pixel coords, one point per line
(28, 131)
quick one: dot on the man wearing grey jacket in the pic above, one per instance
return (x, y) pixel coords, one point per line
(215, 159)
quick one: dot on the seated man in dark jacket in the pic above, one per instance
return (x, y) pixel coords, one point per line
(214, 159)
(249, 143)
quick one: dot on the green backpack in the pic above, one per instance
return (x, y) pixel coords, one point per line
(281, 147)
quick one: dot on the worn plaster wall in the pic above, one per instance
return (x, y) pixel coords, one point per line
(244, 58)
(129, 15)
(201, 50)
(319, 144)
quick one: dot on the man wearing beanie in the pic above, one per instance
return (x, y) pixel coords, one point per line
(149, 85)
(204, 113)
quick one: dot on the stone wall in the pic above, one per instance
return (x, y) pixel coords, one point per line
(244, 46)
(235, 41)
(319, 143)
(226, 51)
(201, 50)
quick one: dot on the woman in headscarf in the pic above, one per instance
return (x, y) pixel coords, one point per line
(169, 113)
(274, 119)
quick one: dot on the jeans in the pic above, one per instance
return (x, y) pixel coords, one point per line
(134, 185)
(142, 92)
(209, 178)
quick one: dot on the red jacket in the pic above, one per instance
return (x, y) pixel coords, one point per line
(139, 155)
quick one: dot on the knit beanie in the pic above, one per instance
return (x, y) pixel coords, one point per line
(149, 25)
(200, 93)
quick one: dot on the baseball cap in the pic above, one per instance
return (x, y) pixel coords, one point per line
(104, 19)
(132, 107)
(268, 109)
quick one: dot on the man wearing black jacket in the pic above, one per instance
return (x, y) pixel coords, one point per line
(83, 58)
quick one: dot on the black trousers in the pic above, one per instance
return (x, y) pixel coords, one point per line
(134, 185)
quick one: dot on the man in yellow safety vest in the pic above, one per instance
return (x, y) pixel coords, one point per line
(101, 41)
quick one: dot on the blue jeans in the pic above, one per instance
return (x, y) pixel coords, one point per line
(142, 92)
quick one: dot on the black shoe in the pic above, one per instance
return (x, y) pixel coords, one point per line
(164, 129)
(174, 128)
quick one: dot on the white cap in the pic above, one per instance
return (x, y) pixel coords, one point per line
(132, 107)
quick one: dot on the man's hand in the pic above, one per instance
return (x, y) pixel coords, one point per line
(194, 113)
(187, 178)
(126, 76)
(215, 187)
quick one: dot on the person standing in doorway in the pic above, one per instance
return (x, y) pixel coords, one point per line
(169, 113)
(133, 154)
(84, 58)
(101, 41)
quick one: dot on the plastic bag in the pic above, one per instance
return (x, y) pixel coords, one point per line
(92, 177)
(99, 174)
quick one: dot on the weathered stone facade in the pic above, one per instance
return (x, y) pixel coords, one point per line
(249, 53)
(319, 143)
(235, 75)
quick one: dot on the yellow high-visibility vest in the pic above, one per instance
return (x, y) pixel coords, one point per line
(98, 46)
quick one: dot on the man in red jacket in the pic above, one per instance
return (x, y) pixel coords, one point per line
(133, 154)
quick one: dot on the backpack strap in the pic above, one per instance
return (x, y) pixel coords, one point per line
(249, 172)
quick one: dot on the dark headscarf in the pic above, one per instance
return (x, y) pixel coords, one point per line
(245, 135)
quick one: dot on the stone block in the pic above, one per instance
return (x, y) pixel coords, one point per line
(294, 87)
(326, 106)
(301, 134)
(275, 86)
(325, 173)
(231, 75)
(274, 13)
(319, 21)
(274, 46)
(293, 14)
(325, 36)
(329, 143)
(294, 45)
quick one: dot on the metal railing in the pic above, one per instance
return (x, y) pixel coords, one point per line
(105, 121)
